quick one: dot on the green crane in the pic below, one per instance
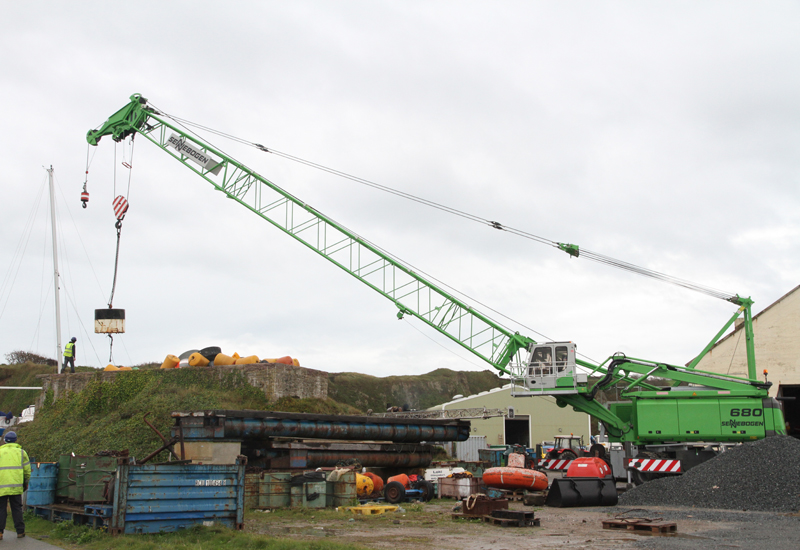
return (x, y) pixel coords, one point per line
(698, 406)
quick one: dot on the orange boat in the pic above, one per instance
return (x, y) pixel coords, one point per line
(515, 478)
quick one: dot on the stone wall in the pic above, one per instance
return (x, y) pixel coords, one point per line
(274, 380)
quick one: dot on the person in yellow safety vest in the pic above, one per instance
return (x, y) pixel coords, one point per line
(69, 355)
(15, 473)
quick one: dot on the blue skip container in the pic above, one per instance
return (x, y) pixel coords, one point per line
(42, 486)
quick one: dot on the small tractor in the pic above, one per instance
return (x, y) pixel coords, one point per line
(570, 447)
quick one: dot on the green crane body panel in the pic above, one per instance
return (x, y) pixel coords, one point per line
(722, 419)
(699, 406)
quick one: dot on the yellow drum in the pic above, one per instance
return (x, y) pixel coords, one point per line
(197, 360)
(249, 360)
(170, 362)
(221, 360)
(364, 485)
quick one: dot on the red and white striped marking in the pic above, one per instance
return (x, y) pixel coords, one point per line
(655, 465)
(120, 207)
(555, 464)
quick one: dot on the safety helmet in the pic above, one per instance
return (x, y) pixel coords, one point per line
(73, 339)
(10, 437)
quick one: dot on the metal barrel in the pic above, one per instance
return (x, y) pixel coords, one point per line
(582, 491)
(42, 486)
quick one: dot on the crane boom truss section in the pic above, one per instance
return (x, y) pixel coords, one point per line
(411, 293)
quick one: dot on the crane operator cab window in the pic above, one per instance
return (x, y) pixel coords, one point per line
(552, 367)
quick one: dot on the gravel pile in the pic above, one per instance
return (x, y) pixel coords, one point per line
(763, 475)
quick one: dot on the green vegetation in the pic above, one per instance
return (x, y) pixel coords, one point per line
(68, 535)
(20, 375)
(108, 415)
(418, 392)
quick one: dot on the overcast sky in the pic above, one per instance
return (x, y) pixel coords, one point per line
(663, 134)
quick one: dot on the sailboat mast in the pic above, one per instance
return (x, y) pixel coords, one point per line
(55, 271)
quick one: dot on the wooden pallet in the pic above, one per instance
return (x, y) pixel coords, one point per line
(638, 525)
(512, 518)
(515, 496)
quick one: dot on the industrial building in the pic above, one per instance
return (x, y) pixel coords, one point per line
(533, 420)
(776, 330)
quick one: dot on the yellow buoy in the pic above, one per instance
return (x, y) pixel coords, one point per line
(364, 485)
(235, 355)
(110, 367)
(221, 359)
(197, 360)
(170, 362)
(249, 360)
(295, 361)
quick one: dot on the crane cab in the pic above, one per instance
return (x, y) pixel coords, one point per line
(551, 368)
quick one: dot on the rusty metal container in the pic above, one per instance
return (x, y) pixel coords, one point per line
(343, 491)
(64, 481)
(98, 473)
(267, 490)
(309, 495)
(252, 484)
(274, 490)
(482, 505)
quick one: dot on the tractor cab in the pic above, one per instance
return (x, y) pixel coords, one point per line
(571, 442)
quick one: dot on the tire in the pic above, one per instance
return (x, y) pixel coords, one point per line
(394, 492)
(567, 455)
(598, 451)
(427, 490)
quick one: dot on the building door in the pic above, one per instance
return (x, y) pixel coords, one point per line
(791, 408)
(518, 431)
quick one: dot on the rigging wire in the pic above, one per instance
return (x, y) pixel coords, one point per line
(19, 252)
(589, 255)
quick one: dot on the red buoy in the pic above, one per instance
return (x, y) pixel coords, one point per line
(84, 198)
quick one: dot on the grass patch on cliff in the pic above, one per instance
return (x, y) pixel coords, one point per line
(418, 392)
(22, 375)
(107, 415)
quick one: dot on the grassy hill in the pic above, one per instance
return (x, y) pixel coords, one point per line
(108, 415)
(20, 375)
(419, 392)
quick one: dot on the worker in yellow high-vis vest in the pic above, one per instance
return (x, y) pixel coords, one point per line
(69, 355)
(15, 473)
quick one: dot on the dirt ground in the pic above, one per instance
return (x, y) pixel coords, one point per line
(430, 525)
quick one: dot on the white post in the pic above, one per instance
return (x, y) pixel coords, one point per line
(59, 358)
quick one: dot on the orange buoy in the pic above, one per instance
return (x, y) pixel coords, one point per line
(402, 479)
(377, 482)
(286, 360)
(515, 478)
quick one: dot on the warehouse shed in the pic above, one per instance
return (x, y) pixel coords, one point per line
(776, 330)
(533, 420)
